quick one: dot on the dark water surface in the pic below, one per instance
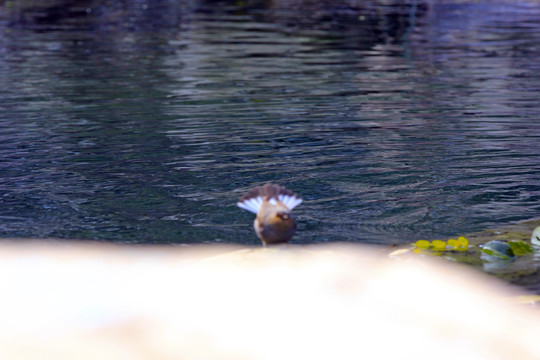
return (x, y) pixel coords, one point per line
(144, 122)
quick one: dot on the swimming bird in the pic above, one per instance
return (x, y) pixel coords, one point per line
(535, 238)
(273, 205)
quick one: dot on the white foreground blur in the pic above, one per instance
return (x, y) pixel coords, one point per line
(80, 301)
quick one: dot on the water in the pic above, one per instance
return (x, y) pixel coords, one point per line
(144, 122)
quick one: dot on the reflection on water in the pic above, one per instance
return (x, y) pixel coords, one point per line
(138, 122)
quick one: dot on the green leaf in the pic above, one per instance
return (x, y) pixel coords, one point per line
(520, 248)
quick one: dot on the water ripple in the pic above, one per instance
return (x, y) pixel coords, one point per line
(394, 122)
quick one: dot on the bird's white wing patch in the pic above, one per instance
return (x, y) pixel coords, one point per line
(290, 201)
(253, 204)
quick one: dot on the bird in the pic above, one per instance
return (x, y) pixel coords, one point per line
(273, 204)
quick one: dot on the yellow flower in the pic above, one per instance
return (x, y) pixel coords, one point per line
(423, 244)
(463, 242)
(438, 244)
(453, 243)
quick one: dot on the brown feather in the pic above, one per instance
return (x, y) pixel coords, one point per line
(267, 191)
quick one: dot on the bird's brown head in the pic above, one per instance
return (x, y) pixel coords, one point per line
(276, 215)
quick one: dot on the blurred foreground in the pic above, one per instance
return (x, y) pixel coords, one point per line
(67, 301)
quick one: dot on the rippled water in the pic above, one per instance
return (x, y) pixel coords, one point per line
(131, 122)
